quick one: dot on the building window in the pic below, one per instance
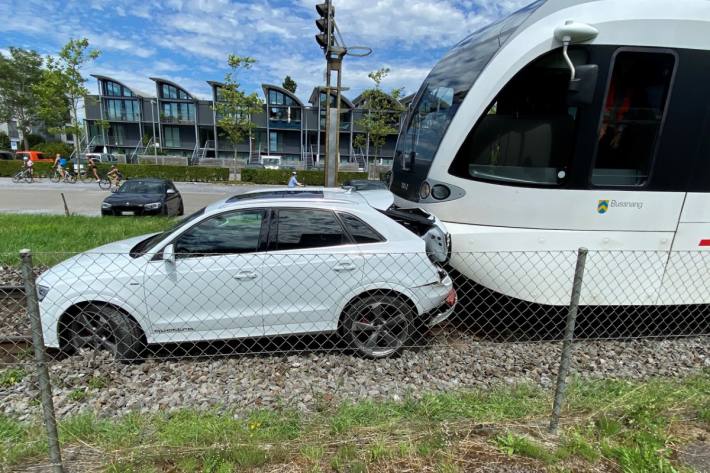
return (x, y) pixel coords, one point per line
(632, 117)
(171, 136)
(113, 109)
(168, 92)
(275, 141)
(279, 98)
(527, 133)
(113, 89)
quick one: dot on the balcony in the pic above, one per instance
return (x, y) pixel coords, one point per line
(177, 120)
(285, 124)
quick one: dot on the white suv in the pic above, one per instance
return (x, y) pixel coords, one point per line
(264, 263)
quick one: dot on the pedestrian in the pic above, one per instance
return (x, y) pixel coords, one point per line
(293, 182)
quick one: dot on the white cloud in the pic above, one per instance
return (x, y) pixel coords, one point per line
(104, 41)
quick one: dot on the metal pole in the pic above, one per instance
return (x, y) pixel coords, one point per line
(45, 387)
(566, 357)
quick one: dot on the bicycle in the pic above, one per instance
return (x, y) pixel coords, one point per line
(113, 184)
(56, 176)
(23, 175)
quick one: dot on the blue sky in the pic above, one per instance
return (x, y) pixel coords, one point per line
(188, 41)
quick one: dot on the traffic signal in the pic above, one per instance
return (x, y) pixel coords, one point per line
(324, 38)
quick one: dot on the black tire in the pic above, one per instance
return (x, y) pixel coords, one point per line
(17, 177)
(106, 328)
(71, 178)
(181, 210)
(378, 325)
(55, 177)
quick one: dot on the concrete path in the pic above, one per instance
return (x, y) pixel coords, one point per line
(85, 198)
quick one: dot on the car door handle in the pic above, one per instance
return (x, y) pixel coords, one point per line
(241, 275)
(344, 267)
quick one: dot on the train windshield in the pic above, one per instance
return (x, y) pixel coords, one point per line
(440, 96)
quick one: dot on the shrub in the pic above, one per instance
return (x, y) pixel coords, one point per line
(281, 176)
(33, 139)
(51, 148)
(176, 173)
(4, 141)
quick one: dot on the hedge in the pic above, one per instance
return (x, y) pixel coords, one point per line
(281, 176)
(176, 173)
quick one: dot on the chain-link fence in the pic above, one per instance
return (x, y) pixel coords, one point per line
(370, 324)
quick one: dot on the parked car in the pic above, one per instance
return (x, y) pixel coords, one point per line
(36, 156)
(365, 184)
(263, 263)
(144, 197)
(7, 155)
(100, 157)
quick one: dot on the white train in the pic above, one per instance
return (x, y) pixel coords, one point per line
(572, 123)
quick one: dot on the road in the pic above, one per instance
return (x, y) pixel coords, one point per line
(85, 198)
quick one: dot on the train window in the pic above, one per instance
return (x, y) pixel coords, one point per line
(526, 136)
(632, 116)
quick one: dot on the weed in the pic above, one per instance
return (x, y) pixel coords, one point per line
(77, 395)
(11, 377)
(512, 444)
(97, 382)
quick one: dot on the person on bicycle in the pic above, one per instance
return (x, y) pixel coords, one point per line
(114, 175)
(60, 163)
(28, 167)
(293, 182)
(92, 165)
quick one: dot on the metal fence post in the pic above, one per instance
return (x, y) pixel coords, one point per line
(45, 388)
(566, 357)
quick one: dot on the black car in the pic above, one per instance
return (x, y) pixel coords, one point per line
(144, 197)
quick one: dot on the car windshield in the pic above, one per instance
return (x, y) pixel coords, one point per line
(142, 187)
(151, 242)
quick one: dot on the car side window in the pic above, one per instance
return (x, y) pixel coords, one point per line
(359, 230)
(308, 228)
(228, 233)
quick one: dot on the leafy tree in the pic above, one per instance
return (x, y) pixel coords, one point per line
(383, 113)
(51, 148)
(4, 141)
(234, 107)
(62, 87)
(19, 75)
(33, 139)
(289, 84)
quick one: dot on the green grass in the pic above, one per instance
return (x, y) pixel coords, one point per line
(52, 238)
(11, 377)
(634, 425)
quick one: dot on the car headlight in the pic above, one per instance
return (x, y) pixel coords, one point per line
(41, 292)
(105, 205)
(153, 206)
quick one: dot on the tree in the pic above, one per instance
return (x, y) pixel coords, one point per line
(4, 141)
(62, 88)
(290, 84)
(383, 113)
(19, 75)
(234, 108)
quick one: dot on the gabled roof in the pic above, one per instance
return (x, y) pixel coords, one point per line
(178, 86)
(313, 99)
(266, 87)
(137, 93)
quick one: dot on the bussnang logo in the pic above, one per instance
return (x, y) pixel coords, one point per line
(603, 205)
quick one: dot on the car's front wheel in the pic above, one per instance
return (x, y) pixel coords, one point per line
(103, 327)
(378, 325)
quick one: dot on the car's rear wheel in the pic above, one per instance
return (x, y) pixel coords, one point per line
(103, 327)
(378, 325)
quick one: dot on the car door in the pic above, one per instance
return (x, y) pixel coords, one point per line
(212, 289)
(311, 265)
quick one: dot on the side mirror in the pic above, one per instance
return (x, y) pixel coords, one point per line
(582, 87)
(170, 191)
(169, 253)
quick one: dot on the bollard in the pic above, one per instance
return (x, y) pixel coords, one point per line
(566, 357)
(45, 388)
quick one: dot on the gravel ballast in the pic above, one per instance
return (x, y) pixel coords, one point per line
(306, 381)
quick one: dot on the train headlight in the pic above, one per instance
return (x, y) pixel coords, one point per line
(424, 190)
(440, 192)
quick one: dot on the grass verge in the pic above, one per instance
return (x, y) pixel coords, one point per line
(607, 426)
(47, 234)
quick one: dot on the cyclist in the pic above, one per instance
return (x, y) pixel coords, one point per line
(60, 163)
(28, 167)
(114, 175)
(92, 165)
